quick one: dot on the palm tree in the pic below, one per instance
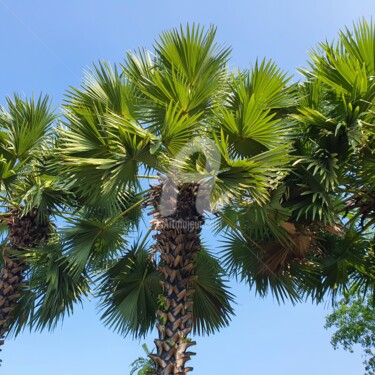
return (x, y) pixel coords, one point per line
(29, 197)
(24, 128)
(337, 116)
(213, 137)
(269, 163)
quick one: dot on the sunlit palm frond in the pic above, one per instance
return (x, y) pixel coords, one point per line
(255, 175)
(177, 130)
(45, 193)
(348, 66)
(212, 308)
(104, 89)
(100, 157)
(249, 119)
(102, 145)
(192, 50)
(186, 71)
(24, 126)
(8, 173)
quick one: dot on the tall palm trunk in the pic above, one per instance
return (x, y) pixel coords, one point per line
(24, 232)
(178, 242)
(11, 283)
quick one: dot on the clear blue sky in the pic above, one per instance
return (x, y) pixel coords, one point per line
(46, 45)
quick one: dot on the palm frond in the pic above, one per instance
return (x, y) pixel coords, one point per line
(343, 260)
(24, 126)
(51, 292)
(93, 241)
(91, 153)
(245, 261)
(348, 66)
(187, 71)
(249, 119)
(104, 89)
(255, 175)
(212, 307)
(129, 290)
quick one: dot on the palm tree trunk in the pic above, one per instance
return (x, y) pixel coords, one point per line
(25, 231)
(178, 242)
(11, 283)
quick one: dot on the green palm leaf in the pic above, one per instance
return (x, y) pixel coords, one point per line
(51, 292)
(249, 119)
(244, 259)
(25, 126)
(187, 73)
(212, 308)
(133, 284)
(92, 241)
(130, 290)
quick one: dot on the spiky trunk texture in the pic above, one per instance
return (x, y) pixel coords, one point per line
(11, 283)
(178, 242)
(24, 232)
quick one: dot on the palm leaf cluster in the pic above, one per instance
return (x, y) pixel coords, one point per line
(123, 125)
(286, 172)
(33, 287)
(318, 228)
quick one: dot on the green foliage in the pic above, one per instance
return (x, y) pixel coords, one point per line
(144, 366)
(293, 186)
(212, 301)
(102, 145)
(344, 260)
(91, 241)
(290, 155)
(188, 71)
(51, 292)
(27, 182)
(129, 290)
(243, 259)
(44, 192)
(24, 126)
(354, 321)
(131, 293)
(25, 132)
(250, 120)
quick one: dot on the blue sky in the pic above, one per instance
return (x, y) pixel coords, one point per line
(46, 45)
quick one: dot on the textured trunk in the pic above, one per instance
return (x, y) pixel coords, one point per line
(24, 232)
(178, 242)
(11, 283)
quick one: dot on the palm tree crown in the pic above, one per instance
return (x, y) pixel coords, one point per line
(34, 284)
(124, 127)
(275, 167)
